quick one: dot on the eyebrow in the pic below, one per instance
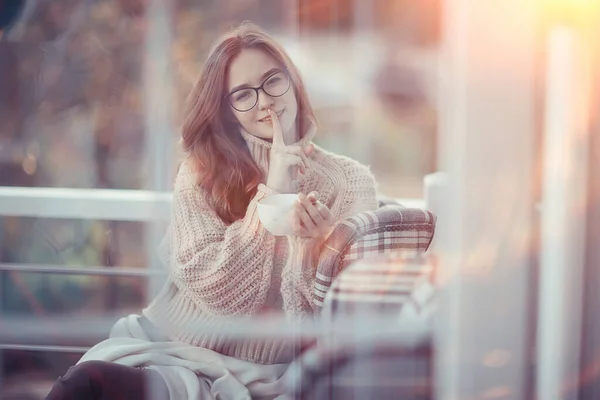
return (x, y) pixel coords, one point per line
(263, 76)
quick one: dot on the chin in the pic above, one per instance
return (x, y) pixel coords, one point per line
(263, 133)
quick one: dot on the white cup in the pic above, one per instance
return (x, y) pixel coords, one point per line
(276, 213)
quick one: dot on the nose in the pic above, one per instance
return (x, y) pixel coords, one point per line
(264, 100)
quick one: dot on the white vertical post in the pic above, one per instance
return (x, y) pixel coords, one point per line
(292, 20)
(159, 149)
(589, 385)
(487, 148)
(158, 86)
(363, 16)
(563, 224)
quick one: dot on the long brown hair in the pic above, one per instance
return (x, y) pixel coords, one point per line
(211, 136)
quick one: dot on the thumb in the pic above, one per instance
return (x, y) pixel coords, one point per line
(308, 150)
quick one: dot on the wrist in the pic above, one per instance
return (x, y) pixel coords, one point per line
(286, 186)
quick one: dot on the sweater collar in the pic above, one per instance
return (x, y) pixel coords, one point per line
(260, 149)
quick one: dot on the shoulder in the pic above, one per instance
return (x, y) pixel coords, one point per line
(188, 194)
(187, 187)
(187, 177)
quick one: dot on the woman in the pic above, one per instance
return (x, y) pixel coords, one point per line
(248, 134)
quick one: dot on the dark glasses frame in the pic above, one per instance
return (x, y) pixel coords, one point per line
(256, 89)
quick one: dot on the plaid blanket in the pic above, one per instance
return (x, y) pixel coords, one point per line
(382, 285)
(387, 357)
(391, 228)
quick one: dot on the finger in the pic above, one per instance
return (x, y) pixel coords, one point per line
(296, 223)
(313, 197)
(324, 211)
(305, 219)
(277, 133)
(299, 229)
(308, 150)
(301, 197)
(292, 160)
(312, 211)
(310, 198)
(305, 159)
(296, 150)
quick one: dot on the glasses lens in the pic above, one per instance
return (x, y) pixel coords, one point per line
(277, 84)
(243, 100)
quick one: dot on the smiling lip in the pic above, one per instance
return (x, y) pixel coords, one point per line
(268, 118)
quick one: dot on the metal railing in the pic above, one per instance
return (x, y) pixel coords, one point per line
(101, 204)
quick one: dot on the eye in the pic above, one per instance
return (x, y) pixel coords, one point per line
(241, 96)
(274, 80)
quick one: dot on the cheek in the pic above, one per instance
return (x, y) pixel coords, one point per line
(243, 118)
(291, 104)
(290, 99)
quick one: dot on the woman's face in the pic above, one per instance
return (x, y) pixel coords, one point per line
(251, 68)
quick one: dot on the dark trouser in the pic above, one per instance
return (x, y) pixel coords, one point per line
(99, 380)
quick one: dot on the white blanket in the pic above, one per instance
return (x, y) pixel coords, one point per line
(191, 373)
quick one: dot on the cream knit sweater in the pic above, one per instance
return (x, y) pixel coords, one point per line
(219, 271)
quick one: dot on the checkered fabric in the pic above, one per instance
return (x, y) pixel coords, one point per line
(384, 284)
(380, 371)
(391, 228)
(399, 290)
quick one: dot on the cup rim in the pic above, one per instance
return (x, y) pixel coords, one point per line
(266, 201)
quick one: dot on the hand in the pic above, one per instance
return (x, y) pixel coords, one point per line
(312, 219)
(286, 161)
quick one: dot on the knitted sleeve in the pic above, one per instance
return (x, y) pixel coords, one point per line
(360, 193)
(224, 269)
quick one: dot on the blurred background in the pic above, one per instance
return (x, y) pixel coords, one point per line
(502, 97)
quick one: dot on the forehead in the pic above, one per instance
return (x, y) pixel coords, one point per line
(248, 67)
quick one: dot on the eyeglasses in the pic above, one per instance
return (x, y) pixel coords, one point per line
(276, 85)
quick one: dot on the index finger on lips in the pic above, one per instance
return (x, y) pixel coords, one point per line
(277, 133)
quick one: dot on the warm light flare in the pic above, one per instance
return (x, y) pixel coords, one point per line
(581, 13)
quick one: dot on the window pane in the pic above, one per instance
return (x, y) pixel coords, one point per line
(71, 243)
(77, 115)
(42, 294)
